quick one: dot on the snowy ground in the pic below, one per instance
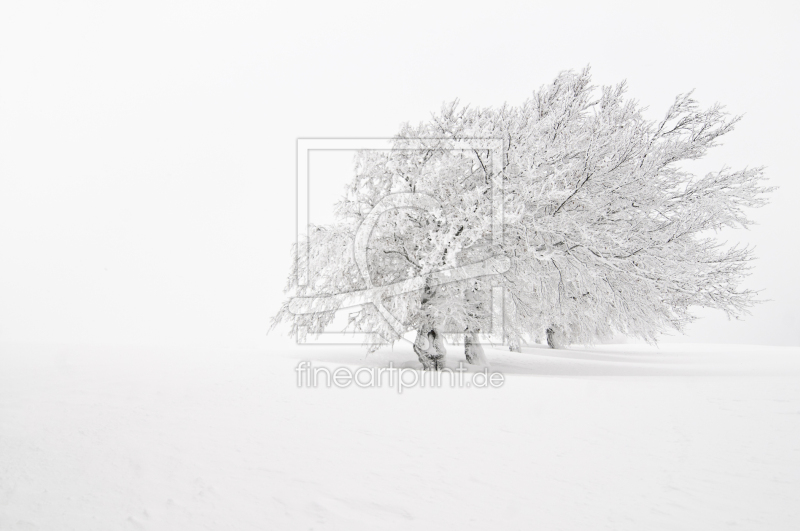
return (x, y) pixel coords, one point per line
(614, 437)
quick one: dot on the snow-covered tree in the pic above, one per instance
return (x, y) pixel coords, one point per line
(603, 232)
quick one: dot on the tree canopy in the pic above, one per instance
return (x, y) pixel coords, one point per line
(604, 231)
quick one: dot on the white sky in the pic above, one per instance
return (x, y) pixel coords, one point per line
(147, 149)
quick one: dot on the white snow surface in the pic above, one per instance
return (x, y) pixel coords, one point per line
(618, 437)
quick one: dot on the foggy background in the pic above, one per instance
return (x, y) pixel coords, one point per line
(147, 150)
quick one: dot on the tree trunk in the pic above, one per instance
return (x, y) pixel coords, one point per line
(429, 348)
(473, 350)
(429, 344)
(555, 338)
